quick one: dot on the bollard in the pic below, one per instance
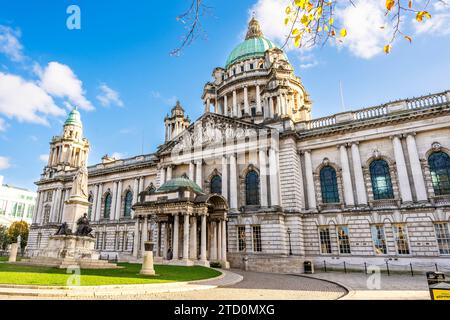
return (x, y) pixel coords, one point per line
(325, 265)
(147, 265)
(436, 265)
(365, 267)
(345, 267)
(412, 271)
(387, 268)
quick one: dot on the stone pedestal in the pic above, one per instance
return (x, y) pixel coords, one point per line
(13, 252)
(225, 264)
(75, 208)
(147, 265)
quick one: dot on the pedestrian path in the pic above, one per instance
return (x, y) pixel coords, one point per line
(393, 287)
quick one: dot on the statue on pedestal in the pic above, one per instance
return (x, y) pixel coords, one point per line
(64, 230)
(80, 183)
(83, 227)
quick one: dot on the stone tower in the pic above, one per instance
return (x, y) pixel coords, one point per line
(176, 123)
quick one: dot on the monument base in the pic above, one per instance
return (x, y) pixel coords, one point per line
(65, 251)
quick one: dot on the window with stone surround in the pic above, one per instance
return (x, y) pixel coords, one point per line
(241, 238)
(128, 204)
(343, 240)
(328, 185)
(107, 206)
(325, 241)
(256, 235)
(252, 189)
(379, 239)
(381, 180)
(401, 239)
(216, 184)
(439, 163)
(443, 237)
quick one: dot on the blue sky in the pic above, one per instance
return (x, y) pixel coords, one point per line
(118, 66)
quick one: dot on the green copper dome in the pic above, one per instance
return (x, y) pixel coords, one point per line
(177, 183)
(250, 48)
(74, 118)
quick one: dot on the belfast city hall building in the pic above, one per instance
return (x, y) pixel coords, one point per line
(256, 181)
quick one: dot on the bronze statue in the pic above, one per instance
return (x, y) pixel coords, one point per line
(83, 228)
(63, 230)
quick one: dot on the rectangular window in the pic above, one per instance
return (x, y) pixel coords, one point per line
(325, 242)
(97, 238)
(256, 231)
(443, 237)
(30, 211)
(241, 238)
(343, 240)
(251, 66)
(401, 239)
(379, 239)
(125, 241)
(117, 240)
(104, 241)
(3, 204)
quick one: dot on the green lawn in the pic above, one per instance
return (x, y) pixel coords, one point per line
(28, 275)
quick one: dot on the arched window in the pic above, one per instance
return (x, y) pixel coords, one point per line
(328, 185)
(252, 189)
(91, 203)
(216, 184)
(107, 209)
(381, 180)
(440, 172)
(128, 204)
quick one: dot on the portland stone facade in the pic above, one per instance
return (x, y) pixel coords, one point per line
(256, 180)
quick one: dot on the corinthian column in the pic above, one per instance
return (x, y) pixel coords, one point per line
(346, 177)
(405, 188)
(233, 183)
(225, 105)
(274, 178)
(176, 229)
(416, 168)
(235, 108)
(263, 177)
(225, 177)
(246, 105)
(186, 237)
(359, 177)
(199, 177)
(310, 181)
(258, 101)
(203, 239)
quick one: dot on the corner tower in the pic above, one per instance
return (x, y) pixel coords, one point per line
(176, 123)
(70, 150)
(257, 84)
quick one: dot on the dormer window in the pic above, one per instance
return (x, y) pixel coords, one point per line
(251, 66)
(242, 69)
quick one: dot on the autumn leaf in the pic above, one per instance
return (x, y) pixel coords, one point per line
(343, 32)
(390, 4)
(387, 48)
(421, 14)
(408, 38)
(288, 10)
(286, 21)
(410, 4)
(297, 41)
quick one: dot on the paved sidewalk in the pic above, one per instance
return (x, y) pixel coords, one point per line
(393, 287)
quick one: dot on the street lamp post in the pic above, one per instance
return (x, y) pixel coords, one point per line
(290, 246)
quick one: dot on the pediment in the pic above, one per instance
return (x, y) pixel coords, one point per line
(212, 129)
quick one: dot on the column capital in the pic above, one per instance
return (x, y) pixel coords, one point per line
(303, 151)
(356, 143)
(412, 133)
(396, 136)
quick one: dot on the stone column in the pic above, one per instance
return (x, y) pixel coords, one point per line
(224, 241)
(165, 247)
(98, 214)
(279, 110)
(405, 188)
(141, 184)
(118, 201)
(94, 204)
(113, 202)
(199, 177)
(235, 108)
(246, 105)
(233, 183)
(40, 213)
(176, 227)
(193, 239)
(263, 177)
(192, 171)
(162, 176)
(186, 237)
(346, 176)
(56, 206)
(359, 177)
(135, 194)
(416, 168)
(225, 177)
(144, 234)
(169, 173)
(310, 181)
(219, 240)
(225, 105)
(213, 249)
(258, 101)
(203, 239)
(270, 107)
(136, 238)
(274, 178)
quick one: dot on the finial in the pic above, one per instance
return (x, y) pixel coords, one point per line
(254, 29)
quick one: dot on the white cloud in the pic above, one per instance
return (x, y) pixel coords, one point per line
(118, 155)
(44, 158)
(60, 81)
(363, 22)
(10, 44)
(171, 101)
(2, 125)
(25, 100)
(4, 163)
(108, 97)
